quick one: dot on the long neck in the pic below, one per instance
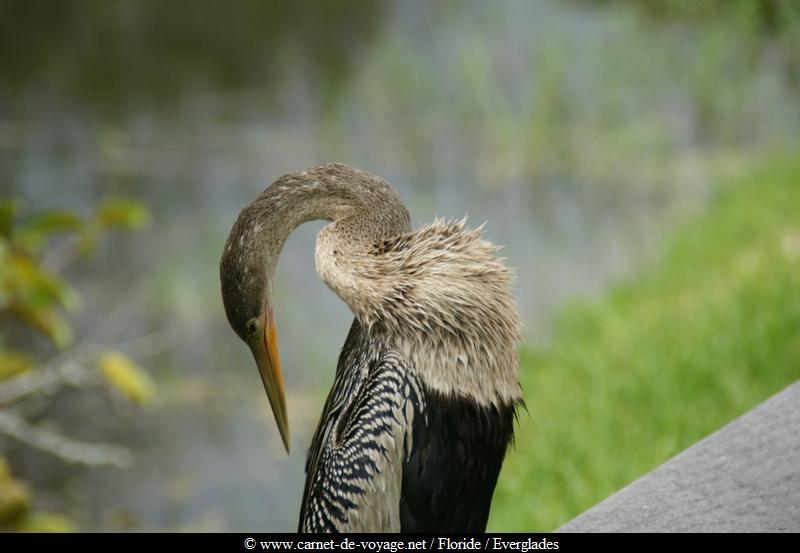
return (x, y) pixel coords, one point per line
(439, 295)
(367, 206)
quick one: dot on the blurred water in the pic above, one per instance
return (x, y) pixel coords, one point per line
(543, 119)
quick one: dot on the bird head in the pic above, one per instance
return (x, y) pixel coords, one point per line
(244, 276)
(332, 192)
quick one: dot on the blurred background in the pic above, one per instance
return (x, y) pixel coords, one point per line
(638, 159)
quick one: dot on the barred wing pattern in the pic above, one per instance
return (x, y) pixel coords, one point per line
(355, 463)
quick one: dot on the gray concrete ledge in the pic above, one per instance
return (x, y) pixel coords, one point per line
(743, 478)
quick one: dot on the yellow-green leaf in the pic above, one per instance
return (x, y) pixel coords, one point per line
(33, 287)
(5, 250)
(15, 499)
(45, 521)
(124, 213)
(5, 471)
(127, 377)
(13, 363)
(87, 242)
(48, 321)
(8, 208)
(32, 234)
(15, 496)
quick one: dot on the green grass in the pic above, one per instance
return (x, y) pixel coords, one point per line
(664, 359)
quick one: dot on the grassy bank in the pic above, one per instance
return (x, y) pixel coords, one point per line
(663, 359)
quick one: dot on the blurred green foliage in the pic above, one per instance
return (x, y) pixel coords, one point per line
(28, 289)
(753, 23)
(34, 294)
(652, 100)
(126, 376)
(770, 16)
(15, 507)
(663, 359)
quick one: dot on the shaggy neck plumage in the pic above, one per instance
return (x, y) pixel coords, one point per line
(441, 297)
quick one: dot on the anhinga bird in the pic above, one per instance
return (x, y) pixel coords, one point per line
(415, 428)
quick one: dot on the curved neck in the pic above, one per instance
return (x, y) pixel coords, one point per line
(439, 295)
(371, 209)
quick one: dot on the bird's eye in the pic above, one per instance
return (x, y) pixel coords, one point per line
(252, 326)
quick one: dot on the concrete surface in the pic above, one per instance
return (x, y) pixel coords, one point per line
(743, 478)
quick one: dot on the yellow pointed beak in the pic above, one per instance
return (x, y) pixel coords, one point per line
(265, 350)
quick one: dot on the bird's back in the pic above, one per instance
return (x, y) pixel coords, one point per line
(450, 475)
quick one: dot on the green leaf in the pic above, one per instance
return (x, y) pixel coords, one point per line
(32, 234)
(15, 496)
(13, 363)
(127, 377)
(30, 287)
(88, 240)
(49, 321)
(5, 285)
(33, 295)
(123, 213)
(8, 208)
(5, 471)
(45, 521)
